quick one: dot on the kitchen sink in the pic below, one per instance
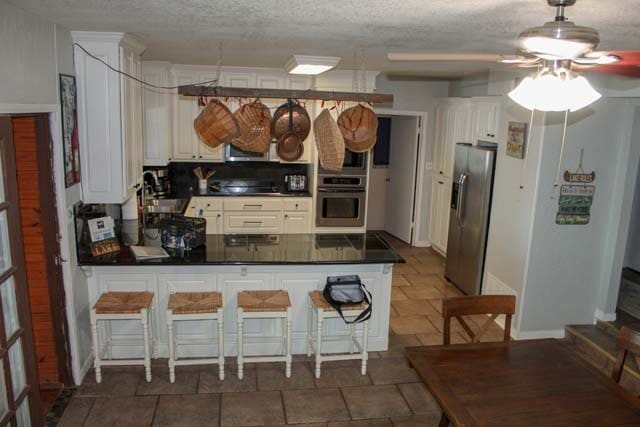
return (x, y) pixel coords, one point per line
(166, 206)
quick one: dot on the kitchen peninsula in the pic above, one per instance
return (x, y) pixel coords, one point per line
(298, 263)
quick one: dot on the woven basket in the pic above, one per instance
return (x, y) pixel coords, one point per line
(216, 125)
(255, 127)
(359, 127)
(329, 141)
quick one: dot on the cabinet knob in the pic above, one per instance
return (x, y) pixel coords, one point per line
(296, 206)
(208, 205)
(219, 215)
(440, 182)
(200, 156)
(440, 172)
(286, 216)
(193, 157)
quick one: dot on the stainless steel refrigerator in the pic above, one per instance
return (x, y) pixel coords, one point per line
(469, 215)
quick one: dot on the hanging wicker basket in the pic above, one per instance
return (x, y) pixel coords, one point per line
(329, 141)
(359, 127)
(254, 120)
(216, 125)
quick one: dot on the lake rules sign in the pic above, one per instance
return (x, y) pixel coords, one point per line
(574, 206)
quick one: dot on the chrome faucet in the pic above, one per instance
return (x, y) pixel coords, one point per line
(145, 193)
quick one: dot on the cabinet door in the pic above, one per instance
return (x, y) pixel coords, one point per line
(296, 223)
(450, 135)
(156, 110)
(136, 116)
(204, 152)
(445, 207)
(441, 130)
(486, 116)
(185, 139)
(128, 116)
(434, 220)
(214, 222)
(270, 81)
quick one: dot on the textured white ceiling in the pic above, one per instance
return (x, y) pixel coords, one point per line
(266, 32)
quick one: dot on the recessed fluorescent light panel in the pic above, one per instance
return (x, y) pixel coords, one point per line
(310, 65)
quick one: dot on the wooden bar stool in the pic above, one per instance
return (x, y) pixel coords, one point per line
(265, 305)
(319, 306)
(122, 306)
(194, 306)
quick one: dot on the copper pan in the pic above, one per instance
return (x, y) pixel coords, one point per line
(291, 117)
(289, 147)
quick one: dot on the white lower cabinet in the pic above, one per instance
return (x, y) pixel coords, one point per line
(252, 223)
(247, 215)
(296, 222)
(263, 335)
(440, 207)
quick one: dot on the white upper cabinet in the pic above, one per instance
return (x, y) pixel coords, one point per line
(453, 125)
(158, 118)
(109, 116)
(486, 112)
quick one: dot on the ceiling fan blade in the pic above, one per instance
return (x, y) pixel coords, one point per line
(453, 57)
(627, 66)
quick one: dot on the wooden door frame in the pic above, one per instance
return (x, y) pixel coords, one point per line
(20, 274)
(49, 216)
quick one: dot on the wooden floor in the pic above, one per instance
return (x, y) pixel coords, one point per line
(419, 286)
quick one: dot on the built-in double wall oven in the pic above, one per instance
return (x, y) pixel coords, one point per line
(341, 198)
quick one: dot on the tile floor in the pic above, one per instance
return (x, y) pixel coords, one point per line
(391, 393)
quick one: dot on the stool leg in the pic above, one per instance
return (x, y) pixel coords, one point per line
(365, 343)
(288, 343)
(352, 334)
(144, 317)
(154, 332)
(220, 344)
(108, 343)
(172, 355)
(309, 327)
(96, 346)
(240, 333)
(320, 314)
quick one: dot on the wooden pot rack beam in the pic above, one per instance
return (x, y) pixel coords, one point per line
(320, 95)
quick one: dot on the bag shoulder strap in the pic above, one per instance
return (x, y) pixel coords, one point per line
(366, 313)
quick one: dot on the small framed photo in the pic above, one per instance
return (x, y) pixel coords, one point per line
(70, 141)
(516, 139)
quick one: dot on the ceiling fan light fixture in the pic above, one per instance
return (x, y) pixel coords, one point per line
(554, 90)
(310, 65)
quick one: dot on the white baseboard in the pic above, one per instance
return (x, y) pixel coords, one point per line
(422, 244)
(605, 317)
(533, 335)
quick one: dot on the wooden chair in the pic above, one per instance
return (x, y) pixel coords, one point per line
(457, 307)
(494, 305)
(628, 341)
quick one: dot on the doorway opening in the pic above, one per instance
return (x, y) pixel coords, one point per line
(398, 202)
(628, 307)
(29, 147)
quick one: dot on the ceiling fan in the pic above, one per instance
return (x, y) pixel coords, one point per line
(559, 41)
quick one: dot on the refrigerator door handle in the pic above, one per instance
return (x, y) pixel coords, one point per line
(459, 202)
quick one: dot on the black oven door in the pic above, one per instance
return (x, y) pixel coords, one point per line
(340, 207)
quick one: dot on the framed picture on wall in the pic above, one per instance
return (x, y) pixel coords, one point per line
(516, 139)
(70, 141)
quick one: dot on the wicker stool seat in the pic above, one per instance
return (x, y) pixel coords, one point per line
(122, 306)
(265, 305)
(321, 309)
(123, 302)
(318, 300)
(264, 301)
(201, 306)
(195, 302)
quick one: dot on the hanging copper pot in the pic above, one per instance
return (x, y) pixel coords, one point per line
(291, 117)
(289, 147)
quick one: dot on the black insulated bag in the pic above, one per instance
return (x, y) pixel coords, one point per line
(348, 290)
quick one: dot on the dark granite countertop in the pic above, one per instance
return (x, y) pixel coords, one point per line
(283, 249)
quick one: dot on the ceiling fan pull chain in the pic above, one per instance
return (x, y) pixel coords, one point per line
(564, 140)
(523, 173)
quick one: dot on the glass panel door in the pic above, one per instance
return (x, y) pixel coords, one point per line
(19, 399)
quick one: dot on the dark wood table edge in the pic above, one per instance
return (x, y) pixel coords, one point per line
(457, 413)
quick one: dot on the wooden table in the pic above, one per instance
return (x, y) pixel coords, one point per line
(522, 383)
